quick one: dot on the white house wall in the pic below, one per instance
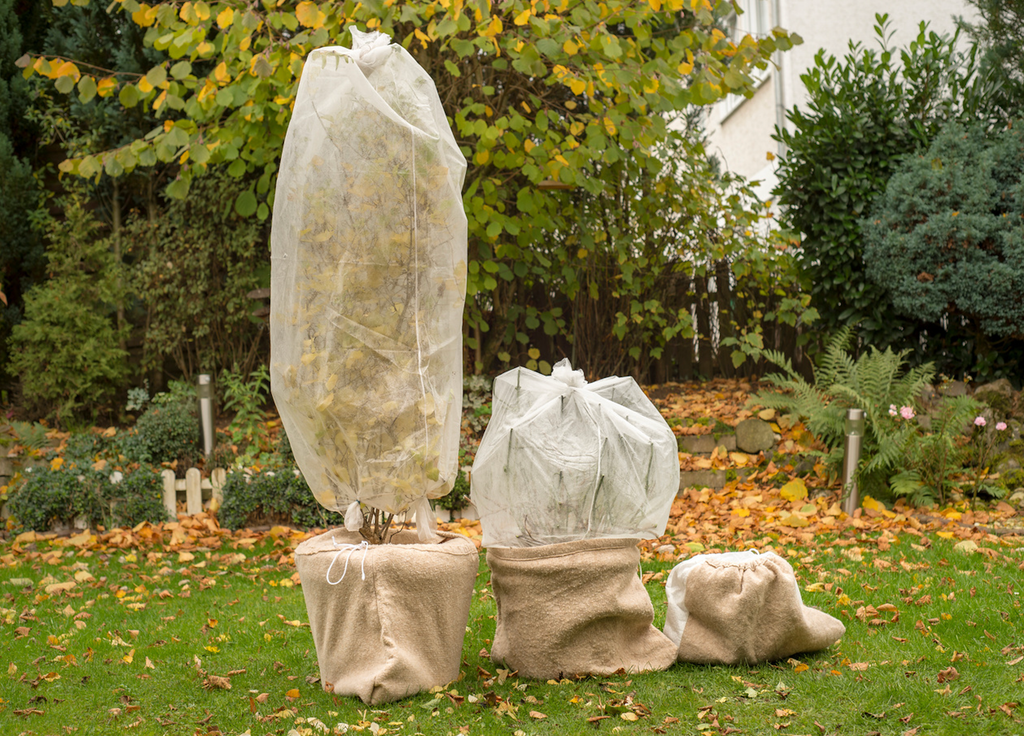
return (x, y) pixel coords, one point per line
(741, 136)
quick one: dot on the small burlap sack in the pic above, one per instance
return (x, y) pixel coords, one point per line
(575, 608)
(388, 620)
(742, 608)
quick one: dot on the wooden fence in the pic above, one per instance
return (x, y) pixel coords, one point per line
(720, 312)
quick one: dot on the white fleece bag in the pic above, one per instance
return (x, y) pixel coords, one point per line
(563, 460)
(368, 250)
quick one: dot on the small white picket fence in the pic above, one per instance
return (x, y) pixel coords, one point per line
(193, 485)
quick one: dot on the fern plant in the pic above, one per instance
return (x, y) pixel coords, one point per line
(874, 382)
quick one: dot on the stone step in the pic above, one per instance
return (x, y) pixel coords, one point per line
(708, 478)
(705, 444)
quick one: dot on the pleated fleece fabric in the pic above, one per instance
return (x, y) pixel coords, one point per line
(400, 630)
(740, 609)
(575, 608)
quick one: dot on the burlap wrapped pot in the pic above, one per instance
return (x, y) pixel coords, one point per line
(742, 608)
(574, 608)
(388, 620)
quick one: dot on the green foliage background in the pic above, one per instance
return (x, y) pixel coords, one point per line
(570, 95)
(866, 112)
(946, 240)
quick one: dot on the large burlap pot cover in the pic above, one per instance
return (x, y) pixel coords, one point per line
(388, 620)
(575, 608)
(742, 608)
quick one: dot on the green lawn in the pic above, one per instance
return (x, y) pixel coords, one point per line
(148, 636)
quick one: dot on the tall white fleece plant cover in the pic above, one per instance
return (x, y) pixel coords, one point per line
(564, 460)
(368, 283)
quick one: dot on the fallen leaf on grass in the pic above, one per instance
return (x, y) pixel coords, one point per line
(292, 694)
(214, 682)
(795, 490)
(537, 714)
(948, 675)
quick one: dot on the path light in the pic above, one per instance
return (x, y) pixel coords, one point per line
(851, 458)
(207, 418)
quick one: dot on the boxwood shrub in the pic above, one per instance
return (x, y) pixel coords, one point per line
(51, 497)
(164, 433)
(272, 497)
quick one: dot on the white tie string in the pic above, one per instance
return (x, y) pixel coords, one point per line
(353, 548)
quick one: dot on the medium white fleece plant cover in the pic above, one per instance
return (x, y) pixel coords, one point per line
(368, 283)
(563, 460)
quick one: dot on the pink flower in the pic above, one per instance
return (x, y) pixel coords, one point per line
(906, 412)
(892, 410)
(980, 422)
(1001, 426)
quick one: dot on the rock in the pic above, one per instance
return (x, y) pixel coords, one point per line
(1001, 387)
(805, 466)
(665, 549)
(702, 478)
(928, 397)
(754, 435)
(728, 441)
(1007, 464)
(1017, 497)
(953, 388)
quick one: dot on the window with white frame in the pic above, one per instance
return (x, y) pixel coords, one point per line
(755, 20)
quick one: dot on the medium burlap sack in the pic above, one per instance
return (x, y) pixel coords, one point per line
(742, 608)
(388, 620)
(575, 608)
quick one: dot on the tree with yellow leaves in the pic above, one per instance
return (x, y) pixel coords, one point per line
(561, 92)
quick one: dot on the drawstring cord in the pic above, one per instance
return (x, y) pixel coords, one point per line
(353, 548)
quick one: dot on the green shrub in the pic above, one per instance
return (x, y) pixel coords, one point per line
(66, 349)
(245, 396)
(864, 113)
(84, 448)
(946, 240)
(48, 497)
(281, 496)
(201, 260)
(137, 498)
(164, 433)
(458, 497)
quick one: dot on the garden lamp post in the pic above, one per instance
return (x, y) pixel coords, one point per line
(207, 419)
(851, 458)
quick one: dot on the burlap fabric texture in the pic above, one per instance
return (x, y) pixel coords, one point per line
(742, 608)
(397, 632)
(574, 608)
